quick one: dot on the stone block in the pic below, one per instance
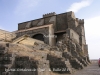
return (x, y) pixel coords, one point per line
(40, 55)
(41, 22)
(69, 67)
(76, 64)
(43, 67)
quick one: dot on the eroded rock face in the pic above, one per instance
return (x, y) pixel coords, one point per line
(18, 59)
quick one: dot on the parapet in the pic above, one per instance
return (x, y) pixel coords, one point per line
(49, 14)
(81, 21)
(70, 15)
(77, 19)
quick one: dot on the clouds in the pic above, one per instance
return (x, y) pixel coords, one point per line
(79, 5)
(93, 26)
(25, 6)
(92, 29)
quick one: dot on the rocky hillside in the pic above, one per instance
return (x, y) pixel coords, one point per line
(19, 58)
(6, 36)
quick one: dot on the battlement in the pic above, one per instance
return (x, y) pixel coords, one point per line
(77, 19)
(71, 15)
(49, 14)
(81, 21)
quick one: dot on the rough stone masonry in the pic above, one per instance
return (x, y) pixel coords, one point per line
(52, 45)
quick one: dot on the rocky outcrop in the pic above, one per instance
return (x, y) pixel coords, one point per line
(6, 36)
(40, 58)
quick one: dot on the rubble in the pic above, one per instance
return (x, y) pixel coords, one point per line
(53, 56)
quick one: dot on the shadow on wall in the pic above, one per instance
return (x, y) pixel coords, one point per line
(38, 37)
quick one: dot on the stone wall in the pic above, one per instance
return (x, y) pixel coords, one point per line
(44, 31)
(73, 35)
(60, 21)
(47, 31)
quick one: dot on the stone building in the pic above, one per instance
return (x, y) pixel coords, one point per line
(51, 27)
(59, 43)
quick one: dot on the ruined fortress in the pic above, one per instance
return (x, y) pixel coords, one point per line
(61, 46)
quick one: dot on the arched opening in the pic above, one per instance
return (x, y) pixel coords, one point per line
(38, 37)
(59, 36)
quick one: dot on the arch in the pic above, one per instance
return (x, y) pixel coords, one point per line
(38, 37)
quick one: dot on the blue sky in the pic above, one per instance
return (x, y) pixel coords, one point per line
(13, 12)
